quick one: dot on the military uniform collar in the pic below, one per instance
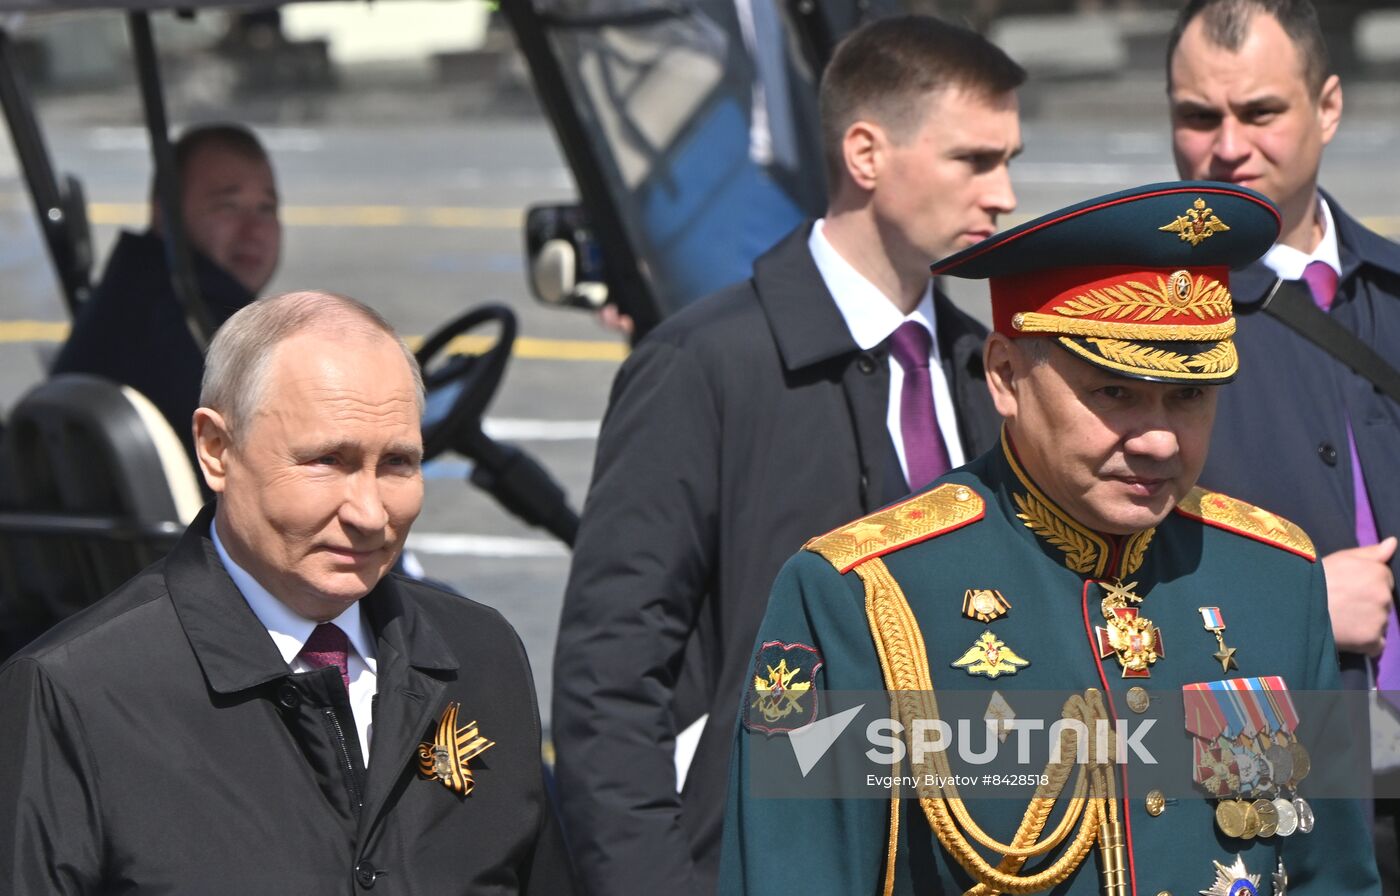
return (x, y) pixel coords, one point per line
(234, 649)
(1081, 549)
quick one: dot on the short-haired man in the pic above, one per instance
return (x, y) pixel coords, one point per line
(1254, 102)
(827, 385)
(270, 709)
(1072, 562)
(132, 329)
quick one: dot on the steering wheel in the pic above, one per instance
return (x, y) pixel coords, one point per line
(462, 385)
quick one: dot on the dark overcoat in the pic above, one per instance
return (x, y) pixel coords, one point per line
(738, 427)
(158, 743)
(1280, 435)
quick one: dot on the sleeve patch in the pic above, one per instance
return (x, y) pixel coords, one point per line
(782, 694)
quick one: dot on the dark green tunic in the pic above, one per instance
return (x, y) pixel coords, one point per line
(1212, 551)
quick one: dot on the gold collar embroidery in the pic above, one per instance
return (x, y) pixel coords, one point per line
(1086, 551)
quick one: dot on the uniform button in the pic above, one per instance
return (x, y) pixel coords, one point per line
(287, 697)
(1155, 803)
(365, 875)
(1327, 453)
(1138, 699)
(865, 364)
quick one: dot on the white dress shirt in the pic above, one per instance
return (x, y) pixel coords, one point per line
(290, 631)
(1289, 263)
(872, 317)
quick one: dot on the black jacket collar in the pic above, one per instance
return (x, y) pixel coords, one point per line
(788, 281)
(1356, 247)
(809, 331)
(234, 649)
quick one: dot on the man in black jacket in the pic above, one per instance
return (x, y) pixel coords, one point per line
(771, 410)
(270, 709)
(132, 330)
(1254, 102)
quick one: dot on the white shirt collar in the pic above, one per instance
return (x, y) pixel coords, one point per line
(870, 315)
(1289, 263)
(289, 630)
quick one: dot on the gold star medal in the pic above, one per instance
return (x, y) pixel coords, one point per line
(1215, 624)
(445, 757)
(990, 657)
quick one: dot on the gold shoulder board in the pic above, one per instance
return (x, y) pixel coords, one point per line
(939, 510)
(1225, 512)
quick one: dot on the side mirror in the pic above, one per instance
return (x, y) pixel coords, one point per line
(564, 262)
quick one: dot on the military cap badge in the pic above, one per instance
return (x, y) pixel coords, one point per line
(1106, 280)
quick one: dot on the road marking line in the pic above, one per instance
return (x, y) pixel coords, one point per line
(486, 546)
(514, 429)
(136, 214)
(531, 347)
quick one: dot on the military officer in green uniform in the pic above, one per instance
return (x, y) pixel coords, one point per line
(1079, 557)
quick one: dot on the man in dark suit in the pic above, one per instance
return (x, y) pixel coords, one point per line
(831, 383)
(269, 709)
(1253, 102)
(133, 330)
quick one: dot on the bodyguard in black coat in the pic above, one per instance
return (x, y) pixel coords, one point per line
(1292, 400)
(170, 739)
(743, 423)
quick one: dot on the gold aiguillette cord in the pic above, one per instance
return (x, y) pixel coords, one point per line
(904, 664)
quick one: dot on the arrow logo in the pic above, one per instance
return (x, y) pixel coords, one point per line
(811, 742)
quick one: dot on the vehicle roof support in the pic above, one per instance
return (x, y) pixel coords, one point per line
(39, 177)
(198, 318)
(633, 294)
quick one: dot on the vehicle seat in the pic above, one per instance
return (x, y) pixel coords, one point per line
(94, 486)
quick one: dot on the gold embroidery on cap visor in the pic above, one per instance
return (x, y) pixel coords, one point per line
(1214, 364)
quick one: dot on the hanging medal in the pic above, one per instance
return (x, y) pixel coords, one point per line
(1129, 636)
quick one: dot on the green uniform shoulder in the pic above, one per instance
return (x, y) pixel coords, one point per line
(1242, 518)
(926, 515)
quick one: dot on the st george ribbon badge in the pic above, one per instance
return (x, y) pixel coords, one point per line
(446, 756)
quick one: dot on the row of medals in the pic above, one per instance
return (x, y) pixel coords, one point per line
(1250, 773)
(1250, 777)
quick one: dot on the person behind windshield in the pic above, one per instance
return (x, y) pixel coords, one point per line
(132, 330)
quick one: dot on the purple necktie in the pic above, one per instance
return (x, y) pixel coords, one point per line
(328, 646)
(1321, 278)
(1322, 282)
(925, 455)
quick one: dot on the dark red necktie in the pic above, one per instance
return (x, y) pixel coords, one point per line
(925, 454)
(328, 646)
